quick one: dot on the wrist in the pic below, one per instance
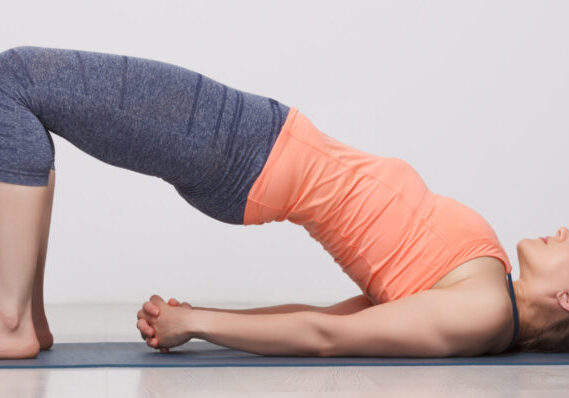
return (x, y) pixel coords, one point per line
(196, 323)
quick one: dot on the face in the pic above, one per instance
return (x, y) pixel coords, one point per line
(549, 260)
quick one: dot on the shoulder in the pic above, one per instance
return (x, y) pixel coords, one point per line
(487, 322)
(482, 288)
(465, 319)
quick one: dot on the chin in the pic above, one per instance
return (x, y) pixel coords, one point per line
(522, 244)
(528, 253)
(521, 248)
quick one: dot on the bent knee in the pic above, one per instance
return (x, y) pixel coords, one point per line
(27, 152)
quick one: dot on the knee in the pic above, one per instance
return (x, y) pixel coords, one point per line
(32, 154)
(7, 56)
(13, 74)
(14, 62)
(18, 50)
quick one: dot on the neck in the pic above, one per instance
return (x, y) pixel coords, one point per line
(534, 310)
(526, 310)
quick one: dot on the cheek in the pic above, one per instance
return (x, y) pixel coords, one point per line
(560, 260)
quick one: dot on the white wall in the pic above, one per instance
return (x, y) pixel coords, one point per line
(474, 94)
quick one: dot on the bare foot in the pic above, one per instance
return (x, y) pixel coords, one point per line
(46, 340)
(19, 342)
(41, 328)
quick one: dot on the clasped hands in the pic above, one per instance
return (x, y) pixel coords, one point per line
(164, 325)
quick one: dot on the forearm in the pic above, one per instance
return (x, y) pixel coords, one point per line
(349, 306)
(300, 333)
(276, 309)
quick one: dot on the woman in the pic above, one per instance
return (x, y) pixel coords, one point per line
(432, 271)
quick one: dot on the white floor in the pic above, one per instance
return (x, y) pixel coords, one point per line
(73, 323)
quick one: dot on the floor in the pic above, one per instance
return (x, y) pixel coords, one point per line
(94, 323)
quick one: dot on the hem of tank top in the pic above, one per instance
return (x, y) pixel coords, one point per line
(462, 259)
(497, 246)
(263, 204)
(251, 215)
(456, 263)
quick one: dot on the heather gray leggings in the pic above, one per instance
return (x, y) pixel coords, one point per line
(208, 140)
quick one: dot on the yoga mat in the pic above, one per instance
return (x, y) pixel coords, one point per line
(206, 354)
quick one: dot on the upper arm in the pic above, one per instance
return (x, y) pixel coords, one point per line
(435, 322)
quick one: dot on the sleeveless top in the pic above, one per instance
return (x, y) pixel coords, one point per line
(374, 215)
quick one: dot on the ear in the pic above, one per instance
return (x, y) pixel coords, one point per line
(563, 299)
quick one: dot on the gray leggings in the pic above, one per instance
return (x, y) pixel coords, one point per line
(208, 140)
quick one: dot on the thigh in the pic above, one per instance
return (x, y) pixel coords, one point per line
(125, 111)
(209, 140)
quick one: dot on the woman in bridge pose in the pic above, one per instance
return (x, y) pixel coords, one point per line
(434, 277)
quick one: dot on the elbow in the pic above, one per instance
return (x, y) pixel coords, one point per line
(328, 350)
(321, 337)
(317, 349)
(328, 335)
(332, 345)
(319, 346)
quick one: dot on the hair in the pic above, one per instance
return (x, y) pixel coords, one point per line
(554, 337)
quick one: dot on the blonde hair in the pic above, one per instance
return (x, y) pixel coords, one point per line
(551, 338)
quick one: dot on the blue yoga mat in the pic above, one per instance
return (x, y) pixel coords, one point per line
(206, 354)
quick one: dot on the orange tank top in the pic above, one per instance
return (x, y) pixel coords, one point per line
(376, 217)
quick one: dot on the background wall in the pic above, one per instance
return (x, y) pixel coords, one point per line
(475, 95)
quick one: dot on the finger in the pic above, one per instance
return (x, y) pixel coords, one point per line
(150, 342)
(145, 328)
(156, 299)
(141, 334)
(150, 331)
(173, 301)
(185, 304)
(164, 350)
(139, 325)
(151, 308)
(142, 314)
(153, 341)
